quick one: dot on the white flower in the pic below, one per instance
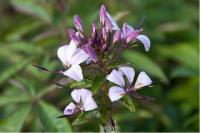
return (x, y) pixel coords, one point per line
(71, 57)
(117, 92)
(83, 99)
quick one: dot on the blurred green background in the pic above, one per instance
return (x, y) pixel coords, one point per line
(32, 30)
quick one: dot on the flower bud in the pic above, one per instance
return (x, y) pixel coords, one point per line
(117, 36)
(74, 36)
(104, 34)
(78, 24)
(94, 29)
(90, 51)
(102, 14)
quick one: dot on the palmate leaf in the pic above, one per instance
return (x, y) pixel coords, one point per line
(14, 122)
(13, 95)
(183, 53)
(22, 29)
(32, 7)
(5, 100)
(144, 63)
(12, 70)
(48, 115)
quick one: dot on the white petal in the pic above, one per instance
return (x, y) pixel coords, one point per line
(115, 93)
(145, 41)
(84, 93)
(113, 22)
(70, 109)
(79, 57)
(129, 72)
(142, 80)
(65, 53)
(89, 104)
(75, 72)
(76, 95)
(116, 77)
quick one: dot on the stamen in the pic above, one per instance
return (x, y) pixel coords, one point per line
(45, 69)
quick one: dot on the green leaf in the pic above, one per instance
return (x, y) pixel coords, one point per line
(29, 86)
(182, 72)
(18, 32)
(32, 7)
(12, 70)
(15, 121)
(183, 53)
(13, 95)
(5, 100)
(48, 114)
(144, 63)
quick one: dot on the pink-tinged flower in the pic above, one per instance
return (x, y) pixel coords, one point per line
(129, 35)
(71, 57)
(83, 102)
(117, 92)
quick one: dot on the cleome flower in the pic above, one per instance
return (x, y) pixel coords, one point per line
(128, 35)
(117, 92)
(71, 57)
(84, 102)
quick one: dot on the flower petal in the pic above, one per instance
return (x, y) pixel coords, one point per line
(79, 57)
(145, 41)
(65, 53)
(70, 109)
(76, 95)
(132, 36)
(142, 80)
(115, 93)
(116, 77)
(113, 22)
(84, 93)
(127, 30)
(75, 72)
(89, 104)
(128, 72)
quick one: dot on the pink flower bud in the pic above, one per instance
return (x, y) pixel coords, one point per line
(90, 51)
(74, 37)
(78, 24)
(102, 14)
(117, 36)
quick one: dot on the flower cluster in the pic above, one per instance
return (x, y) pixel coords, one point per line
(101, 49)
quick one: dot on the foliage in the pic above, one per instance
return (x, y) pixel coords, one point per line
(31, 31)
